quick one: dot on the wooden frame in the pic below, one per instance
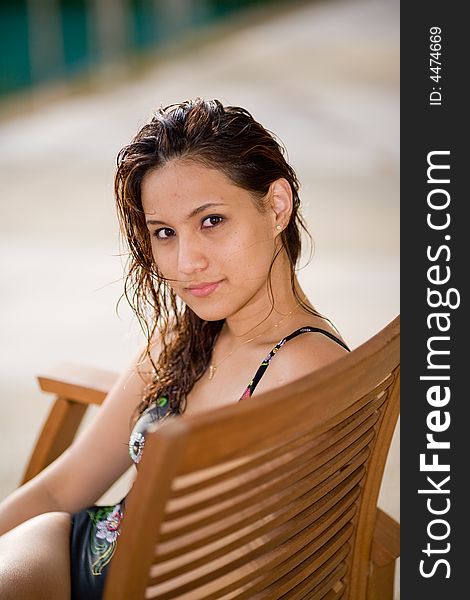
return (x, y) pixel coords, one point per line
(359, 392)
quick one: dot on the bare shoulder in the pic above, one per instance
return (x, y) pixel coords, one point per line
(298, 357)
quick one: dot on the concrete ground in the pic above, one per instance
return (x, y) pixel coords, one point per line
(324, 76)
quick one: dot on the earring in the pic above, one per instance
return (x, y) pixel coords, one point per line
(278, 227)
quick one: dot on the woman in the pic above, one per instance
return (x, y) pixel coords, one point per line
(210, 210)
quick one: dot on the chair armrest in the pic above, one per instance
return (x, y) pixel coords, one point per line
(75, 387)
(386, 541)
(384, 552)
(84, 384)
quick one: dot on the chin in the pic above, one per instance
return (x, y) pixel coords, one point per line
(207, 310)
(208, 314)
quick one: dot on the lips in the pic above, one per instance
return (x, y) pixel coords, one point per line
(204, 288)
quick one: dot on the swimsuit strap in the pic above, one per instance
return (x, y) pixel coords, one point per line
(265, 364)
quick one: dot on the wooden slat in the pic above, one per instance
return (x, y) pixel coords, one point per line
(272, 532)
(307, 475)
(316, 407)
(303, 577)
(277, 544)
(258, 521)
(287, 463)
(276, 495)
(264, 548)
(333, 570)
(328, 584)
(315, 563)
(188, 484)
(336, 593)
(271, 567)
(350, 477)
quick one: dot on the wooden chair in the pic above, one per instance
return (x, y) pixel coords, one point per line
(273, 497)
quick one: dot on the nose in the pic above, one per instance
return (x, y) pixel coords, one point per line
(192, 257)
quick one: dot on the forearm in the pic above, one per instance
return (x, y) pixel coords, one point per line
(29, 500)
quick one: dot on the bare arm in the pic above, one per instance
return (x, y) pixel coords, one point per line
(94, 461)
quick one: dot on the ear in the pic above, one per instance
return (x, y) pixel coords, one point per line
(280, 204)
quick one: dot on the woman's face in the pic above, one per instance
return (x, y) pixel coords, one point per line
(206, 230)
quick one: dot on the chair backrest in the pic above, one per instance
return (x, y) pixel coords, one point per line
(270, 498)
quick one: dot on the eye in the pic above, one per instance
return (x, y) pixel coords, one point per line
(214, 220)
(166, 230)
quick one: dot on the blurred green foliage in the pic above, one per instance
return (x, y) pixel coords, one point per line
(63, 40)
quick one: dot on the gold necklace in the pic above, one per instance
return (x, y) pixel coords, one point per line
(213, 367)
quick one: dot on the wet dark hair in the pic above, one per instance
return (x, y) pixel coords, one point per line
(226, 138)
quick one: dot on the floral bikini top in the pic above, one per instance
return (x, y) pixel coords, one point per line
(159, 409)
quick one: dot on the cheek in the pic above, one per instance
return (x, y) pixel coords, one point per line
(162, 261)
(247, 257)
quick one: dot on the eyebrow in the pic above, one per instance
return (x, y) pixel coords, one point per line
(192, 214)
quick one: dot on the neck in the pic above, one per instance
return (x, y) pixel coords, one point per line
(262, 314)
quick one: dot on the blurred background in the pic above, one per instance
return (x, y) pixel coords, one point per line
(79, 77)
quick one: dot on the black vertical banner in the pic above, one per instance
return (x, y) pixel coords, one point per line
(435, 353)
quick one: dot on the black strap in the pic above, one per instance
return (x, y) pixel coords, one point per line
(265, 364)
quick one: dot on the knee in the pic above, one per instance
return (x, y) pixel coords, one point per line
(34, 559)
(44, 529)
